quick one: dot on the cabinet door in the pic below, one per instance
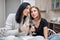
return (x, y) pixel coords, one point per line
(56, 28)
(55, 4)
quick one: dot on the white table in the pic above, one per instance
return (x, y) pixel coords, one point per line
(26, 38)
(32, 37)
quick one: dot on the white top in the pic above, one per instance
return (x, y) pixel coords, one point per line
(12, 26)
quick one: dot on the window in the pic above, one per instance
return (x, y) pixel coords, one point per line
(55, 4)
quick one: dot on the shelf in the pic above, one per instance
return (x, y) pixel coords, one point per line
(42, 10)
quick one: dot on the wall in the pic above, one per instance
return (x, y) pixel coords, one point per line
(1, 13)
(7, 7)
(41, 4)
(46, 11)
(11, 6)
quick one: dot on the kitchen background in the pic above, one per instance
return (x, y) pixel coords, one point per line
(50, 9)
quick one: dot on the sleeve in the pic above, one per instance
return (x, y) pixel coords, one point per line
(45, 23)
(11, 32)
(9, 25)
(9, 20)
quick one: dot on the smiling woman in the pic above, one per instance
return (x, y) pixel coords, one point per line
(17, 24)
(40, 27)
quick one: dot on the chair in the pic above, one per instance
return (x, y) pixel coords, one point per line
(51, 32)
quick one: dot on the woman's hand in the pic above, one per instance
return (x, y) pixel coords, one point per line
(46, 32)
(24, 27)
(32, 29)
(46, 39)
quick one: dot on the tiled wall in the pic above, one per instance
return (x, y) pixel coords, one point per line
(43, 5)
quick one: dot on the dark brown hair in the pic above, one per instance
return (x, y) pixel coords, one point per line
(20, 10)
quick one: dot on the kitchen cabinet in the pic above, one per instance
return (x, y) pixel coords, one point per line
(54, 26)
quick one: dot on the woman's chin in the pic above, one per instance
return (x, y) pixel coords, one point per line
(35, 17)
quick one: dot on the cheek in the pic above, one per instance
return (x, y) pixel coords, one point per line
(36, 13)
(25, 11)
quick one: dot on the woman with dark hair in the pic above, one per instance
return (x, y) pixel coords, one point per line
(38, 24)
(20, 14)
(17, 24)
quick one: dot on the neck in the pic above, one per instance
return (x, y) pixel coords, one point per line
(37, 22)
(36, 19)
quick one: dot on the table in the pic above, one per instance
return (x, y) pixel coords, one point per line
(23, 38)
(32, 38)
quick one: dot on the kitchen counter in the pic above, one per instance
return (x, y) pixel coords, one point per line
(54, 26)
(54, 22)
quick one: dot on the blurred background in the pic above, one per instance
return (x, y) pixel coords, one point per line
(50, 9)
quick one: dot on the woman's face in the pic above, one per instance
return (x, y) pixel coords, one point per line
(26, 10)
(34, 13)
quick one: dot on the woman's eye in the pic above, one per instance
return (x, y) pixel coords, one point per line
(34, 10)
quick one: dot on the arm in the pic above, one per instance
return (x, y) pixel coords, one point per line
(45, 29)
(25, 27)
(46, 33)
(23, 31)
(9, 25)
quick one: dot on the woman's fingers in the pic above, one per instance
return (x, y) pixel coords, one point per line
(24, 27)
(32, 29)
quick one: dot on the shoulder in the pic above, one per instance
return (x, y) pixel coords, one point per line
(11, 16)
(43, 20)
